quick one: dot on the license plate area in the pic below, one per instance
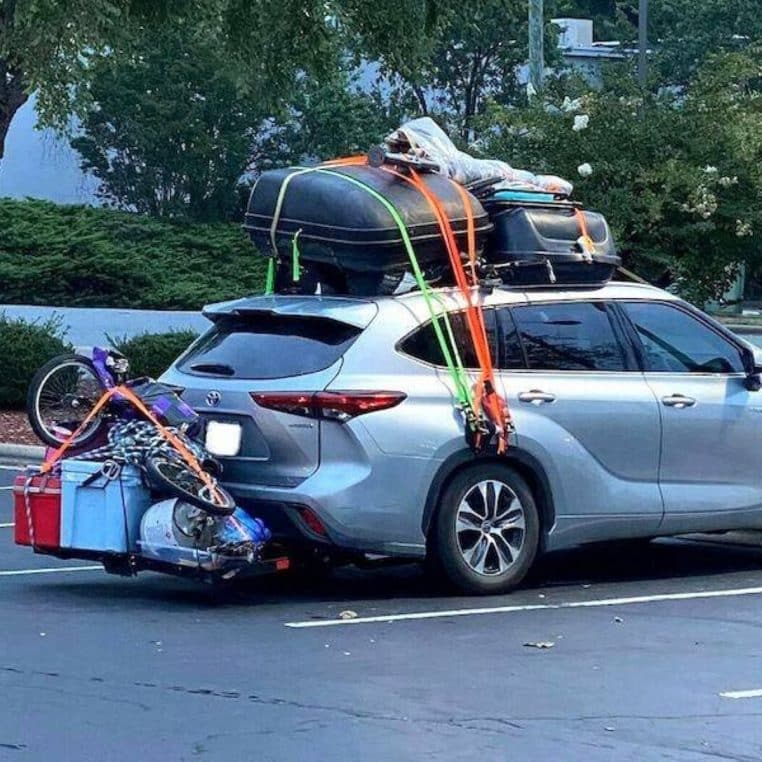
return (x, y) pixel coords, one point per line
(223, 439)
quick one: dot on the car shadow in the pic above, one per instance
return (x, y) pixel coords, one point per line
(594, 565)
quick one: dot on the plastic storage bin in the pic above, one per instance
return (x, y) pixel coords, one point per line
(98, 513)
(44, 494)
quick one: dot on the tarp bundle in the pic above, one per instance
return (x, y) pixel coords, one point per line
(429, 141)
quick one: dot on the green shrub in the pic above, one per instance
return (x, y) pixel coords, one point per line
(24, 347)
(78, 256)
(150, 354)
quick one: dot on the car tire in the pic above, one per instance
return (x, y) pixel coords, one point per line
(487, 530)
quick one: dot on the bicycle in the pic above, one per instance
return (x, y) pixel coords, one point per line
(74, 400)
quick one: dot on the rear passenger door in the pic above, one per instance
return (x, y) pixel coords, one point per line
(583, 408)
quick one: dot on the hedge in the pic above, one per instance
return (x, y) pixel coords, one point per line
(150, 354)
(25, 346)
(79, 256)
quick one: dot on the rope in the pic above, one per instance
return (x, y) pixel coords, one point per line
(585, 241)
(271, 265)
(131, 442)
(28, 510)
(485, 399)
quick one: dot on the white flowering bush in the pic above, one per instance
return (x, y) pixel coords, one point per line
(677, 173)
(581, 122)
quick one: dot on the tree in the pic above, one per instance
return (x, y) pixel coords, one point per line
(47, 45)
(682, 34)
(448, 61)
(325, 119)
(676, 173)
(165, 129)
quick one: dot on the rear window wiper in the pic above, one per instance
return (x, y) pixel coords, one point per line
(214, 368)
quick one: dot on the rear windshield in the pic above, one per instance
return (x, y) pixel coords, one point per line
(268, 346)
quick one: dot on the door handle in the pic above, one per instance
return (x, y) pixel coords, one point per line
(537, 397)
(678, 400)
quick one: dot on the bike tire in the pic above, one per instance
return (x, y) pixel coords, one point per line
(37, 388)
(167, 474)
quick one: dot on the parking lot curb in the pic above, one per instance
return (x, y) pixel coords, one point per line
(21, 453)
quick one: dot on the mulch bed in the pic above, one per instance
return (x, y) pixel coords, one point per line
(14, 428)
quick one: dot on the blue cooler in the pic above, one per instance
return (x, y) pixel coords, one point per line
(98, 513)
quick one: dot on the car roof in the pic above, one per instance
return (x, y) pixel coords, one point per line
(450, 298)
(360, 311)
(352, 311)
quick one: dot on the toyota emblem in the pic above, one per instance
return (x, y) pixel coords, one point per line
(213, 399)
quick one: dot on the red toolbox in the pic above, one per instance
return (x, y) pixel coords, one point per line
(44, 514)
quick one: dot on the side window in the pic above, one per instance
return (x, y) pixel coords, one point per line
(676, 342)
(512, 356)
(423, 345)
(569, 336)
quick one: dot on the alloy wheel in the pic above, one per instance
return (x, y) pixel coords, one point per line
(490, 526)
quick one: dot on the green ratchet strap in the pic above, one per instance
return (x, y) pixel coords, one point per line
(270, 280)
(296, 269)
(455, 367)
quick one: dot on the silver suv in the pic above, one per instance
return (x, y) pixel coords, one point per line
(636, 416)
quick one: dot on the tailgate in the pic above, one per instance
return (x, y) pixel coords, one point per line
(282, 346)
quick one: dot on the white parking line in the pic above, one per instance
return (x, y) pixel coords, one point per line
(9, 525)
(49, 570)
(755, 693)
(6, 488)
(529, 607)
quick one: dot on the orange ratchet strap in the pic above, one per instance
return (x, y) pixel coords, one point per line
(486, 398)
(177, 443)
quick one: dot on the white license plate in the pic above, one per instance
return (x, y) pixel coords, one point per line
(223, 439)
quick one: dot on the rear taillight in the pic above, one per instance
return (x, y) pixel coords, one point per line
(311, 519)
(336, 406)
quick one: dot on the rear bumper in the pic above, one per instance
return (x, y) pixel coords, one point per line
(375, 509)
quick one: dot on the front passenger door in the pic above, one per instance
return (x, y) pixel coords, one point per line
(711, 461)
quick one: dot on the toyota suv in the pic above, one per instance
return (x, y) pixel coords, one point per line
(635, 416)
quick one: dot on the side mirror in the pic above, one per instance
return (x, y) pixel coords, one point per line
(753, 381)
(753, 367)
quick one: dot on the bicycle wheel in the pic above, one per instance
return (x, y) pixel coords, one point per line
(62, 394)
(172, 475)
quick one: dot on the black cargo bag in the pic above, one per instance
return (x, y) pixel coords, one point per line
(342, 229)
(536, 244)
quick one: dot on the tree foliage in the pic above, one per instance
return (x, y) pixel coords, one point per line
(165, 130)
(676, 173)
(327, 118)
(150, 354)
(47, 45)
(446, 61)
(675, 167)
(25, 346)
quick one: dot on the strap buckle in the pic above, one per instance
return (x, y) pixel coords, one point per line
(110, 470)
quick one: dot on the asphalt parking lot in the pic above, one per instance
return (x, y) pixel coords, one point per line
(655, 653)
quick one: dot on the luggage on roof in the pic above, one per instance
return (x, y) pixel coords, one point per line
(545, 243)
(342, 229)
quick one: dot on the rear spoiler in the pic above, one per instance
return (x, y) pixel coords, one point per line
(355, 312)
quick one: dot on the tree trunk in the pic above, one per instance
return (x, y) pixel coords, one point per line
(13, 96)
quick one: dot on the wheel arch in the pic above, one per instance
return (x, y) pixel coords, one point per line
(523, 462)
